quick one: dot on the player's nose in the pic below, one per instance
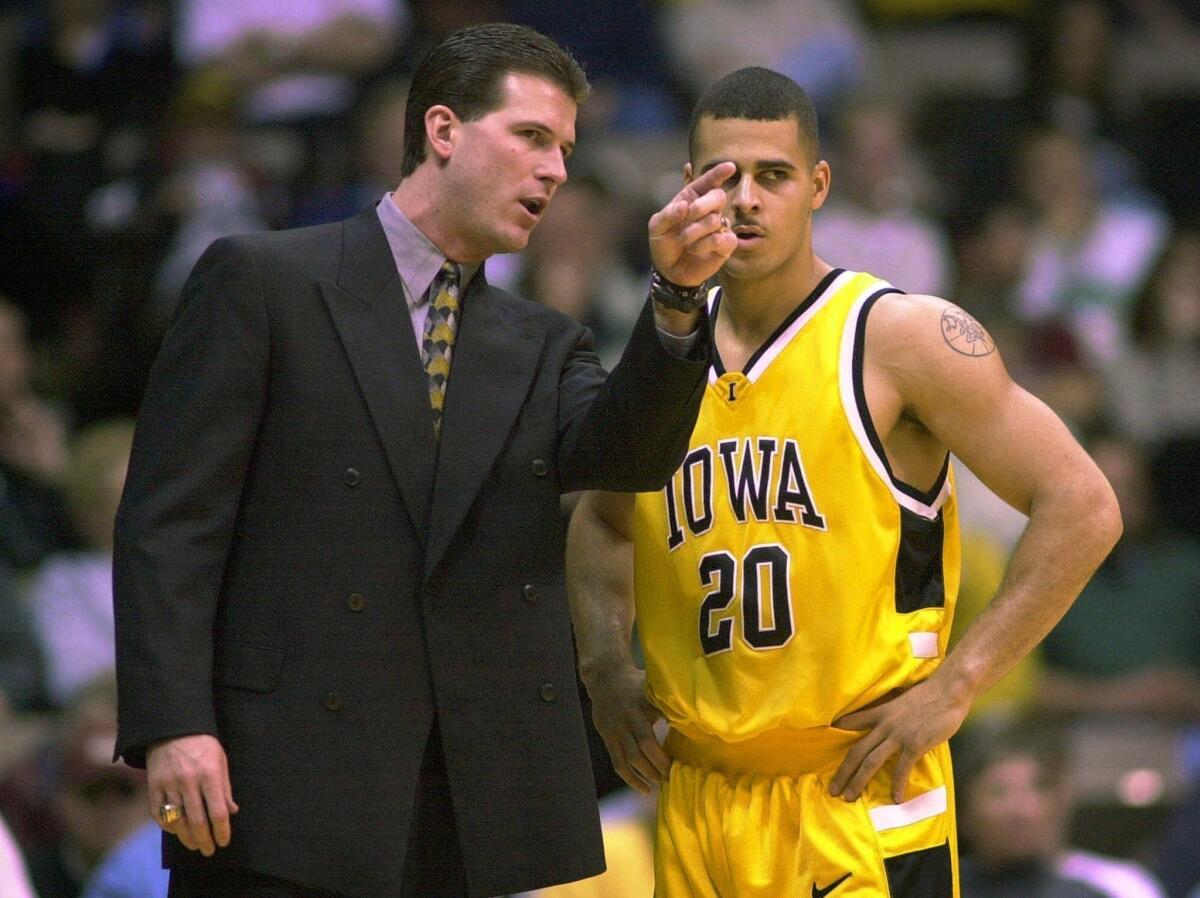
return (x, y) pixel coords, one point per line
(744, 196)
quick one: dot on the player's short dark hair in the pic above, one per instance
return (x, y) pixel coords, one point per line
(465, 72)
(759, 95)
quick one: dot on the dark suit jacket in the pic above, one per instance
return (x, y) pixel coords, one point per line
(302, 572)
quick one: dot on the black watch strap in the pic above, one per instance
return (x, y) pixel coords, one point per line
(673, 296)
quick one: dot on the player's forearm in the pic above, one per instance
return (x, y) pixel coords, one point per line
(1071, 529)
(600, 589)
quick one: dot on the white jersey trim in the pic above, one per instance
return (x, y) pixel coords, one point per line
(893, 816)
(781, 341)
(900, 492)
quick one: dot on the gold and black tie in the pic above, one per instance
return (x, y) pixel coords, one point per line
(438, 342)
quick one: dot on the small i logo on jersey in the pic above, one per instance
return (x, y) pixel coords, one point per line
(732, 391)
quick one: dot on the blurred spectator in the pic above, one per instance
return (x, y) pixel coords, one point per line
(984, 559)
(206, 193)
(1131, 643)
(32, 454)
(1071, 72)
(1091, 254)
(71, 597)
(133, 869)
(1157, 381)
(1178, 864)
(870, 222)
(22, 680)
(91, 77)
(14, 881)
(1014, 808)
(631, 89)
(290, 67)
(291, 59)
(820, 44)
(97, 802)
(1155, 385)
(573, 264)
(379, 141)
(991, 256)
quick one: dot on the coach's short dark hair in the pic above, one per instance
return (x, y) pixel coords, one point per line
(759, 95)
(465, 72)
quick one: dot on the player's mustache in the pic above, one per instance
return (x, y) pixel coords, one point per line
(740, 222)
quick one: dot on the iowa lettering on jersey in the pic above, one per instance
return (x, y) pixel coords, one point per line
(763, 482)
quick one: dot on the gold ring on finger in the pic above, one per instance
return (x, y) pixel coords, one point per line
(169, 813)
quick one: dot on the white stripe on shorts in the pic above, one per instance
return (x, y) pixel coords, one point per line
(928, 804)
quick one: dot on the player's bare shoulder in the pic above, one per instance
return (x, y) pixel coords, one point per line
(927, 349)
(903, 326)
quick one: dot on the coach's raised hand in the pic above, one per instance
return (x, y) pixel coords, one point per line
(689, 238)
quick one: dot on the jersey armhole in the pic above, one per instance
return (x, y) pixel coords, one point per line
(926, 503)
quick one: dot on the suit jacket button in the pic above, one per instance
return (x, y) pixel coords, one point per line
(540, 468)
(351, 477)
(547, 692)
(356, 602)
(333, 702)
(530, 593)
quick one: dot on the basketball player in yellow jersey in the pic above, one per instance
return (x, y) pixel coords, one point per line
(795, 581)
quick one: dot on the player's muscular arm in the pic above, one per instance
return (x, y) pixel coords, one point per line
(600, 588)
(944, 374)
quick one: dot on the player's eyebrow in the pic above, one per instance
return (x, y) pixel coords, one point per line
(764, 164)
(760, 165)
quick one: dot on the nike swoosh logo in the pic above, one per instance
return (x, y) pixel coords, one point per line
(821, 893)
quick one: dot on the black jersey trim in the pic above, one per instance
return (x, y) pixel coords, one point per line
(927, 873)
(817, 292)
(925, 497)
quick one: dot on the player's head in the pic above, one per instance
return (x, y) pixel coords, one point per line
(765, 124)
(759, 95)
(489, 124)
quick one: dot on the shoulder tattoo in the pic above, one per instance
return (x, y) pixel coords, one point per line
(964, 334)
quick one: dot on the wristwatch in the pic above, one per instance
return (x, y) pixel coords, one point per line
(673, 296)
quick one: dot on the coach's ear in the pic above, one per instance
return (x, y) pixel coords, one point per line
(687, 173)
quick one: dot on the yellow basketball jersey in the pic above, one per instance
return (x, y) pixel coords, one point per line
(784, 576)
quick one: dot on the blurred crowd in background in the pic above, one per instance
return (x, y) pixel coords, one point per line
(1036, 162)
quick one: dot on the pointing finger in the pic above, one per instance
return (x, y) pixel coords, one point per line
(714, 177)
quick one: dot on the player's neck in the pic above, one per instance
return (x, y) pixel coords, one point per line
(752, 308)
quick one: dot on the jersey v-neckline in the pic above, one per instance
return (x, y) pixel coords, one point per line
(791, 325)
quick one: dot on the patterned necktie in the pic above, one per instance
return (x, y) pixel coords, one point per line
(441, 326)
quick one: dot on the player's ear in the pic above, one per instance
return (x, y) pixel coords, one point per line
(820, 177)
(687, 173)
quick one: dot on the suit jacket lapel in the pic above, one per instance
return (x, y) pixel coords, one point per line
(372, 319)
(495, 358)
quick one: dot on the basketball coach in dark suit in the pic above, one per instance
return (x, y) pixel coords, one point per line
(343, 646)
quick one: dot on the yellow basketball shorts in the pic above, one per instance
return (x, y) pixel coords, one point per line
(756, 820)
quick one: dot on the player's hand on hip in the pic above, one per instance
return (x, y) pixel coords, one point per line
(192, 773)
(689, 238)
(625, 720)
(906, 727)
